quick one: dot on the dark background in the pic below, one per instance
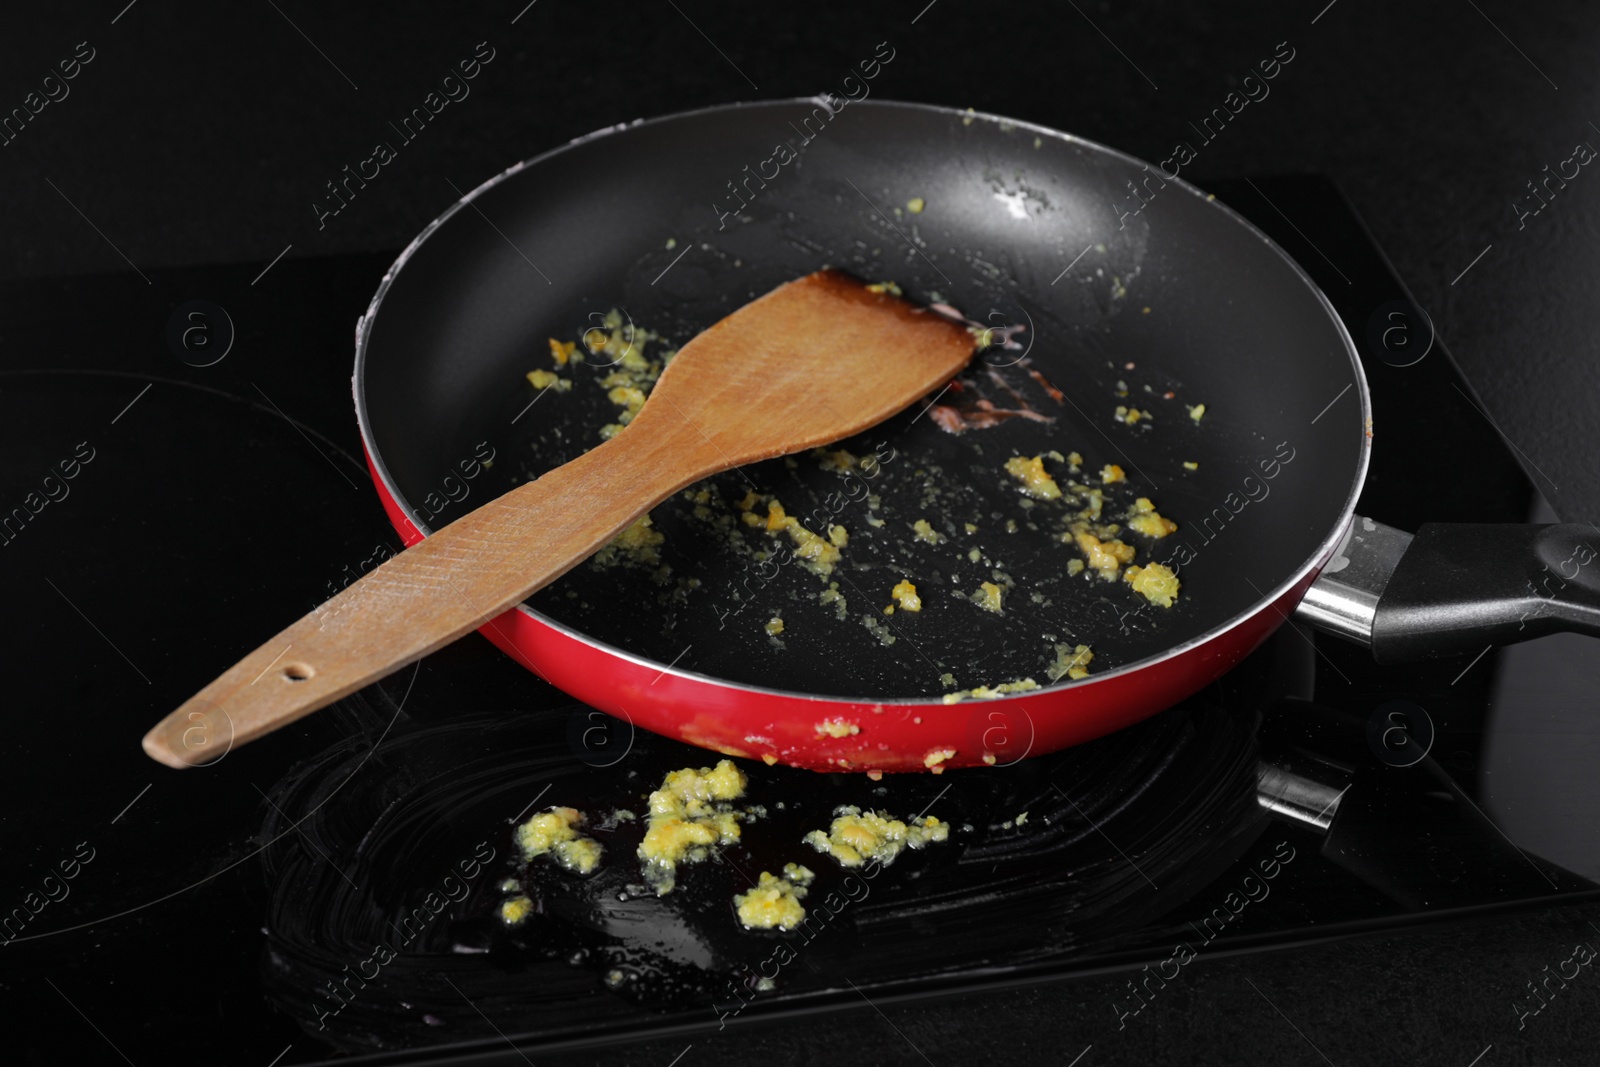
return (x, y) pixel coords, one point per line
(203, 133)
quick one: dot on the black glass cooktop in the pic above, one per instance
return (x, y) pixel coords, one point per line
(183, 475)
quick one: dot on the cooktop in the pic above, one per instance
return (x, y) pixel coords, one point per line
(184, 476)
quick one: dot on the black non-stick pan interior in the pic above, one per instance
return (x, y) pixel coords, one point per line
(1019, 226)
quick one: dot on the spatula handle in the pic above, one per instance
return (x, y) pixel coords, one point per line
(433, 593)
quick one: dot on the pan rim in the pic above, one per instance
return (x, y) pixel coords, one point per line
(1324, 550)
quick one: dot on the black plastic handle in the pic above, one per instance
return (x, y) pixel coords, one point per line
(1460, 587)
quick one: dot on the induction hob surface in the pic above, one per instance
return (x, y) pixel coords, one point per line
(333, 890)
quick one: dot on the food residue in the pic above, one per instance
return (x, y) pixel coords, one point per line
(877, 629)
(906, 595)
(1112, 473)
(990, 692)
(1196, 411)
(563, 351)
(856, 836)
(1106, 557)
(630, 398)
(543, 379)
(775, 901)
(514, 911)
(816, 553)
(774, 626)
(637, 544)
(925, 532)
(691, 814)
(915, 205)
(1155, 581)
(1144, 518)
(1071, 662)
(987, 597)
(837, 460)
(837, 728)
(632, 374)
(554, 833)
(1036, 481)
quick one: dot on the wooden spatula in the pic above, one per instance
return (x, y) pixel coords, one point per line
(813, 361)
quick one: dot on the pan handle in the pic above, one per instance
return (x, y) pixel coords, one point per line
(1455, 587)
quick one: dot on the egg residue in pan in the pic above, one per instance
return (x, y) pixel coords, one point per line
(798, 547)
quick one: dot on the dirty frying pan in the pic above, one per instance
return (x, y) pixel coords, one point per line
(1111, 287)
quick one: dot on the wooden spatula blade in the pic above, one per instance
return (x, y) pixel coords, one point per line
(816, 360)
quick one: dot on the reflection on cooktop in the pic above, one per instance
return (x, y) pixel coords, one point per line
(1542, 745)
(398, 941)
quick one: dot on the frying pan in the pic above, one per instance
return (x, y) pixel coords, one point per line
(1121, 285)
